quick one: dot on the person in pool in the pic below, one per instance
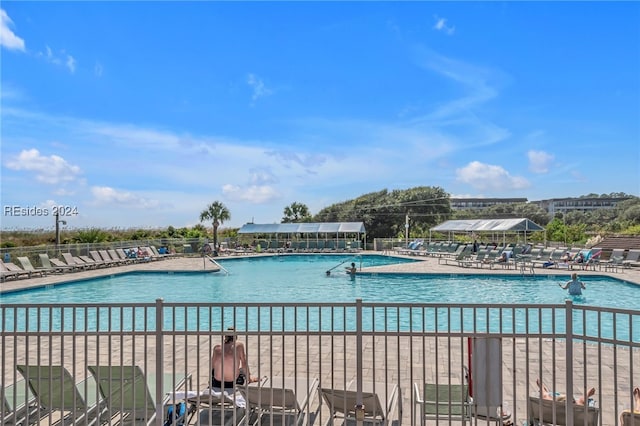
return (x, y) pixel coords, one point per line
(575, 286)
(229, 363)
(351, 269)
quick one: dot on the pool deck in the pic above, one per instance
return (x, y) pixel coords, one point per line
(424, 265)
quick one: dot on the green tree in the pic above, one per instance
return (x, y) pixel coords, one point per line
(384, 213)
(296, 212)
(217, 213)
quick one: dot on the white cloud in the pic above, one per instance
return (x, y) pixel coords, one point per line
(105, 195)
(489, 177)
(539, 161)
(258, 86)
(441, 25)
(262, 176)
(71, 64)
(255, 194)
(8, 38)
(98, 69)
(50, 170)
(62, 58)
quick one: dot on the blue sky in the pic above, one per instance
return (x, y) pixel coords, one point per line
(139, 114)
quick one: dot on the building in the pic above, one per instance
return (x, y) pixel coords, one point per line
(481, 203)
(583, 204)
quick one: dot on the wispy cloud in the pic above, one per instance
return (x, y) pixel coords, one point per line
(8, 39)
(441, 25)
(539, 161)
(98, 69)
(51, 170)
(489, 177)
(71, 64)
(105, 195)
(475, 80)
(60, 58)
(258, 86)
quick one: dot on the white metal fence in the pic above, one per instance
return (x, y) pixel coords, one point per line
(401, 352)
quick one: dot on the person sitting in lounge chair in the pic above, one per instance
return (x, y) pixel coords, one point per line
(546, 394)
(229, 363)
(636, 406)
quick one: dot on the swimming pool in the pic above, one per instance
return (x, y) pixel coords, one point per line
(303, 279)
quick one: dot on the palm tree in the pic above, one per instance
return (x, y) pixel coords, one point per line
(217, 213)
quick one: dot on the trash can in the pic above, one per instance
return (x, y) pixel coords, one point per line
(7, 258)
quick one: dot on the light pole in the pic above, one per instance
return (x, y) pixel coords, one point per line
(58, 222)
(406, 230)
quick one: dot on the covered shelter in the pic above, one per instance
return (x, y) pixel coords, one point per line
(494, 227)
(332, 235)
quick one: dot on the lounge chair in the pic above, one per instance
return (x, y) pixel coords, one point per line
(47, 263)
(61, 264)
(547, 411)
(71, 261)
(591, 259)
(55, 390)
(91, 262)
(442, 401)
(216, 406)
(116, 257)
(630, 419)
(106, 257)
(283, 401)
(99, 259)
(342, 403)
(10, 269)
(123, 256)
(129, 392)
(19, 405)
(632, 258)
(6, 273)
(27, 266)
(615, 260)
(477, 260)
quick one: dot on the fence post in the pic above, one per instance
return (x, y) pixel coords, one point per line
(569, 361)
(159, 396)
(359, 408)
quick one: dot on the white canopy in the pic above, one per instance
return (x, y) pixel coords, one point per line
(488, 225)
(303, 228)
(502, 226)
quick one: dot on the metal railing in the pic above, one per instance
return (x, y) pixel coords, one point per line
(347, 346)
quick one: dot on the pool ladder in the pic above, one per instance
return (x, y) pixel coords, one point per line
(212, 260)
(345, 261)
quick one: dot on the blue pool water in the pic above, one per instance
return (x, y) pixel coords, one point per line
(303, 279)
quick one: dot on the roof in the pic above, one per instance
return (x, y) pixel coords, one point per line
(488, 225)
(303, 228)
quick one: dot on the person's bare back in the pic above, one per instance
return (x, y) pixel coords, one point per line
(228, 362)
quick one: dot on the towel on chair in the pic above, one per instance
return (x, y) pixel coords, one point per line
(214, 393)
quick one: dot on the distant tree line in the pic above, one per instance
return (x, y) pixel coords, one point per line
(385, 214)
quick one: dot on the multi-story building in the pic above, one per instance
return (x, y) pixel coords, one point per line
(566, 205)
(481, 203)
